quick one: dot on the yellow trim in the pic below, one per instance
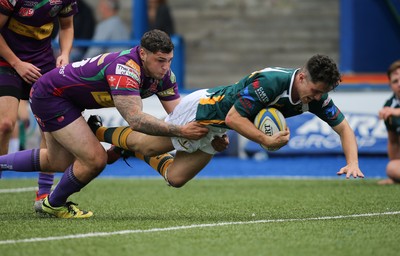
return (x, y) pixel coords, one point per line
(103, 98)
(37, 33)
(209, 122)
(211, 101)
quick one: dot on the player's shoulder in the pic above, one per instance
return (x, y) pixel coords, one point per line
(392, 101)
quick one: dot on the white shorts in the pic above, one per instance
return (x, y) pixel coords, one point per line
(185, 112)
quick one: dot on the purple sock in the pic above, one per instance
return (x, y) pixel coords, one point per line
(45, 182)
(68, 185)
(22, 161)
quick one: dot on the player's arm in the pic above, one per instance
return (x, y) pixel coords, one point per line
(27, 71)
(130, 107)
(349, 145)
(170, 104)
(66, 39)
(247, 129)
(387, 112)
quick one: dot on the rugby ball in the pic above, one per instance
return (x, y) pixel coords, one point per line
(270, 121)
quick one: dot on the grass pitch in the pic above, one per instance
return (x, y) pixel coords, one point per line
(209, 217)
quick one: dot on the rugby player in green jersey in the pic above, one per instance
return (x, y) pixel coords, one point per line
(390, 113)
(292, 91)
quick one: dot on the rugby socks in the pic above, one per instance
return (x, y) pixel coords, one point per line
(68, 185)
(114, 135)
(21, 161)
(45, 182)
(159, 163)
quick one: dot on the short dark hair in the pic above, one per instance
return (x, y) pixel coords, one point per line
(395, 65)
(322, 68)
(157, 41)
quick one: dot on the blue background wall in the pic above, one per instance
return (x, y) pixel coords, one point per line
(369, 35)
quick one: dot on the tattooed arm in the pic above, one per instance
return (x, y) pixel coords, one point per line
(130, 107)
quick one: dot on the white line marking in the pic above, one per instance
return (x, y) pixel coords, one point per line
(17, 190)
(124, 232)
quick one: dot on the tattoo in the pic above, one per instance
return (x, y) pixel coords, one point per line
(131, 109)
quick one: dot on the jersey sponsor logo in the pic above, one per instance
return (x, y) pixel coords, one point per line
(247, 104)
(26, 12)
(37, 33)
(166, 93)
(55, 10)
(261, 94)
(54, 2)
(332, 113)
(66, 10)
(134, 65)
(122, 83)
(103, 99)
(326, 102)
(30, 3)
(126, 71)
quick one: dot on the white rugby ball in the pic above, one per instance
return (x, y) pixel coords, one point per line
(270, 121)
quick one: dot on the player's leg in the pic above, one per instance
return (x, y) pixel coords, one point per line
(78, 139)
(45, 181)
(185, 167)
(393, 173)
(8, 119)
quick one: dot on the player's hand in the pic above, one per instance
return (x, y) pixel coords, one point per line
(280, 139)
(220, 143)
(351, 170)
(62, 60)
(193, 131)
(387, 112)
(28, 72)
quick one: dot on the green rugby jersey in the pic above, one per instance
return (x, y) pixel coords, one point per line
(393, 122)
(268, 87)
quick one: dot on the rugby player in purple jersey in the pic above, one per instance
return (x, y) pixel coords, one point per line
(119, 79)
(26, 54)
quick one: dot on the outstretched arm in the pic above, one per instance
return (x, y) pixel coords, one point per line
(131, 107)
(349, 145)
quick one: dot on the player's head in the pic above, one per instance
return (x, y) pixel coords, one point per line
(393, 73)
(157, 41)
(321, 68)
(393, 67)
(156, 53)
(318, 76)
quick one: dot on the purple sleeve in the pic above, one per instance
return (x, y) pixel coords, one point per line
(169, 89)
(69, 9)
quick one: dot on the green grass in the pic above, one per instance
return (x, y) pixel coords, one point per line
(147, 204)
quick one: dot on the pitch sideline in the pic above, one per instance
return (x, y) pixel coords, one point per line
(17, 190)
(210, 225)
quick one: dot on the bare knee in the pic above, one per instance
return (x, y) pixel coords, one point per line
(99, 162)
(93, 164)
(177, 182)
(393, 170)
(7, 126)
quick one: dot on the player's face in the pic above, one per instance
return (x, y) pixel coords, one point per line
(156, 64)
(395, 82)
(310, 91)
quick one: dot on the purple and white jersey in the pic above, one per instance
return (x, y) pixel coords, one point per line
(29, 27)
(90, 83)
